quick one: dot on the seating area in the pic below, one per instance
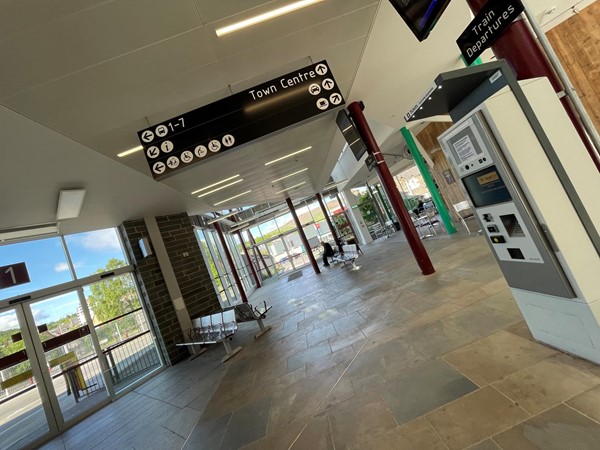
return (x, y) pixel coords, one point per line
(221, 327)
(349, 254)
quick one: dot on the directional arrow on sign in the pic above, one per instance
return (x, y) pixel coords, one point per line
(328, 84)
(147, 136)
(159, 168)
(153, 152)
(321, 69)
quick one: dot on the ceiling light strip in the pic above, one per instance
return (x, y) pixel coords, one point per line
(287, 156)
(291, 187)
(215, 184)
(221, 187)
(232, 198)
(264, 17)
(290, 175)
(130, 151)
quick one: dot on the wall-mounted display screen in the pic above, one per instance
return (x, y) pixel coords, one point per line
(420, 15)
(346, 126)
(486, 187)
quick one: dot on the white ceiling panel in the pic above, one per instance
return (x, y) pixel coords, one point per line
(103, 33)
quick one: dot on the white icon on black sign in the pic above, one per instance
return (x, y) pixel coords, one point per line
(322, 103)
(314, 89)
(161, 131)
(147, 136)
(187, 156)
(200, 151)
(335, 99)
(173, 162)
(328, 84)
(167, 146)
(214, 146)
(321, 69)
(228, 140)
(153, 152)
(159, 167)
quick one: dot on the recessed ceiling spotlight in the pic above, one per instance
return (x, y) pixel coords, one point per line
(221, 187)
(291, 187)
(232, 198)
(264, 17)
(287, 156)
(130, 151)
(215, 184)
(290, 175)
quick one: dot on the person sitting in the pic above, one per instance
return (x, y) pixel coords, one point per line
(420, 208)
(327, 252)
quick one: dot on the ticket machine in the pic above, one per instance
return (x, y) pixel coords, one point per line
(535, 193)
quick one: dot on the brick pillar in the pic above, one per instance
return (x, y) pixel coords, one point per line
(192, 277)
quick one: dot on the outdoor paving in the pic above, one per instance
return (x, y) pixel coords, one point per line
(377, 358)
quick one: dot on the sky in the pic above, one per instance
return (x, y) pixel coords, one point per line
(47, 266)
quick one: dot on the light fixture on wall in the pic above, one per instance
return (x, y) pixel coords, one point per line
(254, 20)
(28, 231)
(70, 202)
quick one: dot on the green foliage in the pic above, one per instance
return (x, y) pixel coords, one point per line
(113, 297)
(367, 209)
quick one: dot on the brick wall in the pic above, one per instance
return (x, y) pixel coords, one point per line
(192, 276)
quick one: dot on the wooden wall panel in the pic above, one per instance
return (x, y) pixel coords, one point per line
(577, 43)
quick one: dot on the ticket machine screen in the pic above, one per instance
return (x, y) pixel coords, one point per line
(486, 187)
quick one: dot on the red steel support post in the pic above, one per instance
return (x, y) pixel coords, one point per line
(521, 49)
(356, 112)
(236, 277)
(254, 274)
(311, 257)
(328, 220)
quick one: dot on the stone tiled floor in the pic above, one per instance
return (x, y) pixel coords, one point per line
(378, 358)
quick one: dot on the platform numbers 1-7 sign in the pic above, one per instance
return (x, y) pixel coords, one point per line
(13, 275)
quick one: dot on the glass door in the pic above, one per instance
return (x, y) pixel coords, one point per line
(26, 415)
(64, 337)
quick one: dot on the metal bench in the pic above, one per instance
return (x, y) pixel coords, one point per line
(245, 312)
(213, 329)
(349, 255)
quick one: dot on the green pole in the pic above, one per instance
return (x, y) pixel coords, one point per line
(435, 195)
(385, 205)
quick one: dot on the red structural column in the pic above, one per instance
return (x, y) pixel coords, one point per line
(328, 220)
(520, 48)
(259, 253)
(236, 277)
(311, 257)
(356, 112)
(254, 274)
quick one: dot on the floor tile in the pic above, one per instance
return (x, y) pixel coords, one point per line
(437, 339)
(415, 435)
(316, 436)
(480, 320)
(247, 424)
(282, 439)
(348, 322)
(353, 420)
(182, 422)
(559, 428)
(348, 337)
(320, 334)
(303, 357)
(208, 434)
(422, 389)
(343, 356)
(492, 358)
(475, 417)
(588, 403)
(545, 384)
(521, 329)
(488, 444)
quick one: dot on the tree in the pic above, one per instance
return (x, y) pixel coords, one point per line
(366, 208)
(115, 296)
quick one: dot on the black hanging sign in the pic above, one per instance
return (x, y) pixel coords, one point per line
(238, 119)
(487, 26)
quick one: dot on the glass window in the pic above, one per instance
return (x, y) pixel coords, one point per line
(95, 251)
(46, 263)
